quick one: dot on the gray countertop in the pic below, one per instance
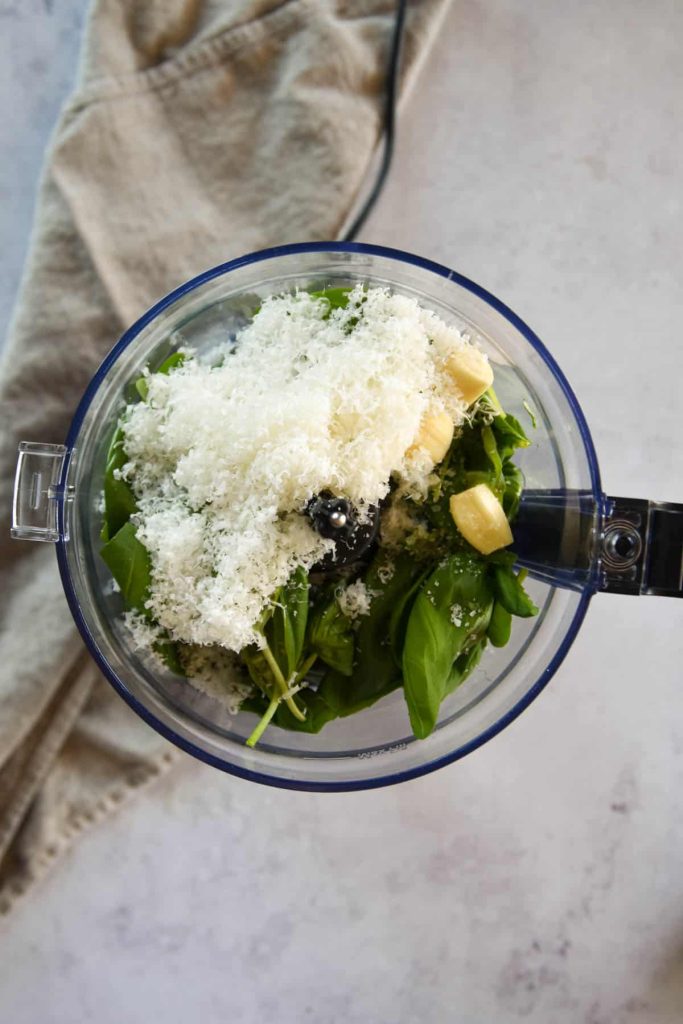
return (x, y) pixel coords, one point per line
(539, 879)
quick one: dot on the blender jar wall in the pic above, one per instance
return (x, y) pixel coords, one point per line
(375, 747)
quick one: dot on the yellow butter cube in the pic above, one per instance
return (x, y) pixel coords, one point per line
(480, 518)
(435, 436)
(471, 372)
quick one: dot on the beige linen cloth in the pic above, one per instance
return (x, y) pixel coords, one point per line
(199, 130)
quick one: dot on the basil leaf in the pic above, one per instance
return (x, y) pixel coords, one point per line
(119, 500)
(502, 557)
(175, 359)
(433, 640)
(500, 626)
(169, 652)
(489, 445)
(510, 592)
(512, 493)
(479, 476)
(286, 629)
(256, 704)
(398, 620)
(510, 434)
(347, 699)
(375, 672)
(318, 713)
(338, 298)
(129, 564)
(258, 669)
(321, 706)
(331, 637)
(463, 666)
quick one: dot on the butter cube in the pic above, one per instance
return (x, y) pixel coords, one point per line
(480, 518)
(471, 372)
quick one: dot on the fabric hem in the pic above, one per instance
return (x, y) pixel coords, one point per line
(195, 58)
(114, 798)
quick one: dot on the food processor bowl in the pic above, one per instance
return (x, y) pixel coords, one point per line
(573, 539)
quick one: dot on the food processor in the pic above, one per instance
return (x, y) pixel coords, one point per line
(574, 540)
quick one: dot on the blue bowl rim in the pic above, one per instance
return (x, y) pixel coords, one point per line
(131, 334)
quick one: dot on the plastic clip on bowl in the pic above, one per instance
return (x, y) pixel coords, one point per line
(574, 540)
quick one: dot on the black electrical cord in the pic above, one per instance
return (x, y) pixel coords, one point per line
(390, 98)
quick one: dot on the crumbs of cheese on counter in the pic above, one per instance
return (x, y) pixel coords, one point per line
(355, 600)
(224, 457)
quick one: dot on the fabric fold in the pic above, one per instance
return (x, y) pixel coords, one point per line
(199, 130)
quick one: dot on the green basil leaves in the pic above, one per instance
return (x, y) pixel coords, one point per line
(453, 606)
(435, 603)
(129, 564)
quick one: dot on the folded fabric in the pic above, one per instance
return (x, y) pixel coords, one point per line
(199, 130)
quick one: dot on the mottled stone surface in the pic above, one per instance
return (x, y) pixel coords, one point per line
(39, 45)
(540, 879)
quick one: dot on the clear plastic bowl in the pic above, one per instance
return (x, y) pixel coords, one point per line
(375, 747)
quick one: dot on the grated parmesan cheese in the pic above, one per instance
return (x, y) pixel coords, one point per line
(355, 599)
(212, 670)
(386, 572)
(215, 672)
(456, 615)
(143, 634)
(223, 458)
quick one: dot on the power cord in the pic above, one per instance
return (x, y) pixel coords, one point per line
(390, 98)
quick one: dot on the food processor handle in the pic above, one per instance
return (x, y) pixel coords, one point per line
(615, 545)
(39, 491)
(562, 536)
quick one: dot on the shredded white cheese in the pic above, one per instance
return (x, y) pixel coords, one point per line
(456, 615)
(386, 572)
(143, 634)
(223, 458)
(214, 671)
(355, 599)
